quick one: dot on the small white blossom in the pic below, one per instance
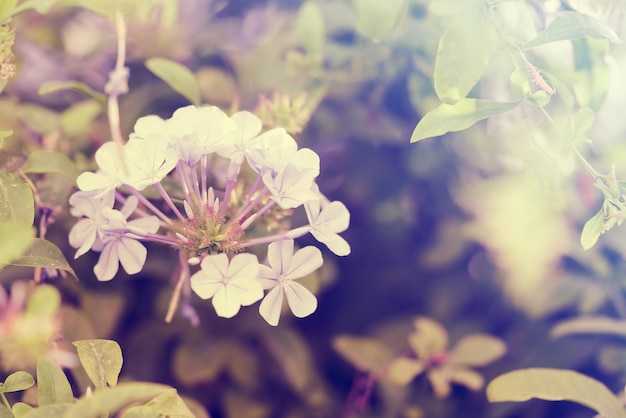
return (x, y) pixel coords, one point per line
(271, 150)
(87, 232)
(231, 284)
(112, 171)
(120, 241)
(248, 127)
(284, 268)
(326, 224)
(290, 187)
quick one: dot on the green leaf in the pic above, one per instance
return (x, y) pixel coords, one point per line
(45, 300)
(170, 404)
(519, 84)
(569, 25)
(590, 325)
(15, 238)
(52, 385)
(20, 409)
(77, 119)
(101, 359)
(477, 350)
(364, 353)
(3, 135)
(110, 400)
(462, 56)
(310, 25)
(583, 119)
(42, 6)
(143, 411)
(555, 385)
(376, 19)
(592, 230)
(177, 76)
(48, 411)
(42, 161)
(54, 86)
(6, 7)
(16, 199)
(18, 381)
(458, 116)
(43, 253)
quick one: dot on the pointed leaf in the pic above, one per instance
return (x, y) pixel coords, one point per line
(592, 230)
(364, 353)
(6, 7)
(590, 325)
(555, 385)
(77, 120)
(52, 384)
(43, 253)
(170, 404)
(48, 411)
(310, 26)
(15, 238)
(462, 56)
(572, 25)
(18, 381)
(45, 301)
(4, 134)
(376, 19)
(457, 117)
(177, 76)
(101, 359)
(54, 86)
(583, 119)
(20, 409)
(477, 350)
(16, 199)
(42, 161)
(109, 400)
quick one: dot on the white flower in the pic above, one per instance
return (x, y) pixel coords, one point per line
(112, 171)
(196, 131)
(147, 125)
(290, 187)
(87, 232)
(284, 268)
(248, 127)
(148, 160)
(271, 150)
(120, 244)
(326, 224)
(231, 284)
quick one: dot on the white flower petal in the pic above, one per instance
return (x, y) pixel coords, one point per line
(335, 217)
(132, 254)
(243, 266)
(226, 302)
(82, 236)
(279, 254)
(215, 265)
(107, 266)
(303, 262)
(249, 290)
(268, 277)
(271, 306)
(203, 286)
(301, 301)
(334, 242)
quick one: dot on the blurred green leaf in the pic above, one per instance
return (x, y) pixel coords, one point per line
(364, 353)
(467, 44)
(555, 385)
(52, 384)
(18, 381)
(310, 24)
(109, 400)
(77, 119)
(453, 7)
(197, 362)
(590, 325)
(376, 19)
(170, 404)
(3, 135)
(48, 411)
(45, 300)
(42, 161)
(592, 230)
(16, 199)
(177, 76)
(43, 253)
(101, 359)
(20, 409)
(539, 98)
(572, 25)
(39, 119)
(583, 119)
(6, 7)
(54, 86)
(519, 84)
(15, 238)
(143, 411)
(457, 117)
(477, 350)
(42, 6)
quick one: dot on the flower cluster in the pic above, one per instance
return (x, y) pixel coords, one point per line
(210, 186)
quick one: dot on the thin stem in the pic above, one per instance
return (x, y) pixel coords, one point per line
(183, 277)
(257, 215)
(149, 205)
(117, 84)
(291, 234)
(247, 208)
(168, 200)
(5, 401)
